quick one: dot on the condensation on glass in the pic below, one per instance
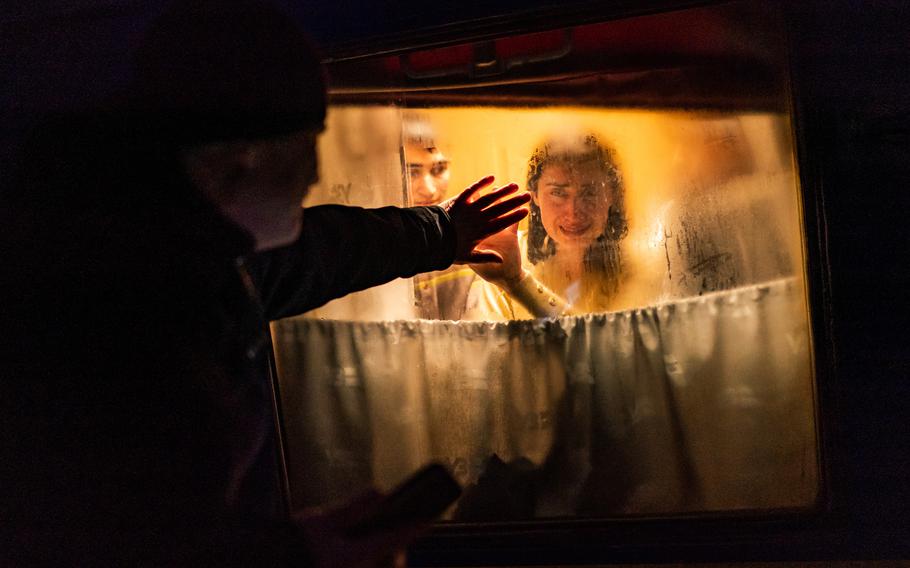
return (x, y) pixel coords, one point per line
(679, 379)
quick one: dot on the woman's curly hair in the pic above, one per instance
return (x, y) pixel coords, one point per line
(603, 254)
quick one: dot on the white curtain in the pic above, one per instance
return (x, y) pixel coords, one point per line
(705, 404)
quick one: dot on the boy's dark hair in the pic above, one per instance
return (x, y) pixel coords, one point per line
(416, 129)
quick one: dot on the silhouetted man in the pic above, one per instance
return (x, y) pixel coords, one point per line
(146, 246)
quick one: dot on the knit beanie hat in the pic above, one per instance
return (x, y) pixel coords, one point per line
(218, 70)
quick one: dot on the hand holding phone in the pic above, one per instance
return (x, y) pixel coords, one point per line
(419, 499)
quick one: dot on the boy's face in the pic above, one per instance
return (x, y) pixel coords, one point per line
(428, 174)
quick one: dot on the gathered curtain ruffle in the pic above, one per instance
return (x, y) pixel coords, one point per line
(700, 405)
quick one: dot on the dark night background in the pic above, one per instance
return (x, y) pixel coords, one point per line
(851, 64)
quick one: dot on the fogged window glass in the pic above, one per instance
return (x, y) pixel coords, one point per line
(629, 207)
(674, 375)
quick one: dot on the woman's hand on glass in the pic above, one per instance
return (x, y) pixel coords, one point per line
(508, 273)
(476, 218)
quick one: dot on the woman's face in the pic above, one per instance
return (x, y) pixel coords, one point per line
(574, 201)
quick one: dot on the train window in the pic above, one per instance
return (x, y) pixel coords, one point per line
(659, 360)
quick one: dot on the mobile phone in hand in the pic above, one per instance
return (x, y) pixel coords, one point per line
(419, 499)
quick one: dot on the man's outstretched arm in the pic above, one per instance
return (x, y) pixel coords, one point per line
(344, 249)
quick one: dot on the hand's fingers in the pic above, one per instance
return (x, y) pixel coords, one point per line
(484, 200)
(465, 195)
(501, 223)
(508, 205)
(478, 256)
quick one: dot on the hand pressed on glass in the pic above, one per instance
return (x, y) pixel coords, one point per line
(509, 272)
(516, 280)
(476, 218)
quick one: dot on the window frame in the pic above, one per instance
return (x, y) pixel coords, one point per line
(748, 535)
